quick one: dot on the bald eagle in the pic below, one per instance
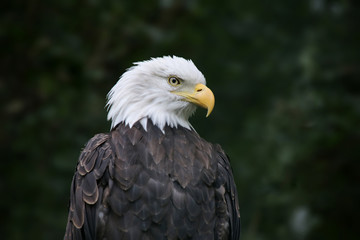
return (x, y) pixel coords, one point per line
(152, 176)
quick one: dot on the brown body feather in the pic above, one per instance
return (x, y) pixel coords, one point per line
(137, 184)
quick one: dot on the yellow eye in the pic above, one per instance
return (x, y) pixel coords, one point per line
(174, 81)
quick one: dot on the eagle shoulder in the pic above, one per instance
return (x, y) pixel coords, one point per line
(227, 203)
(86, 188)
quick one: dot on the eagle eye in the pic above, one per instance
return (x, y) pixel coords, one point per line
(174, 81)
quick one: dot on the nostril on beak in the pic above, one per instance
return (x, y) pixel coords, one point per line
(200, 88)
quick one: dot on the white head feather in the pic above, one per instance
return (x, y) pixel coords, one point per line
(143, 92)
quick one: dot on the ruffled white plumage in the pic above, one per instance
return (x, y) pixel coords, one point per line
(143, 92)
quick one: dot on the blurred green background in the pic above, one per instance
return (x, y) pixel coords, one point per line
(286, 76)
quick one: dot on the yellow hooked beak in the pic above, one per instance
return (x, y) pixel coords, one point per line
(201, 96)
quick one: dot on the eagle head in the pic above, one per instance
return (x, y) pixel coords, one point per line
(165, 90)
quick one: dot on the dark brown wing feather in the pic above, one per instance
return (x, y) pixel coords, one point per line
(86, 190)
(228, 213)
(137, 184)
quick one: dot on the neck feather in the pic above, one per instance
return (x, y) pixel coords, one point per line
(129, 104)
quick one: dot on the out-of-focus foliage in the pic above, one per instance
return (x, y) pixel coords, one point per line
(286, 76)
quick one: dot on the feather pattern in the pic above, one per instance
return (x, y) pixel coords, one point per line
(138, 184)
(143, 92)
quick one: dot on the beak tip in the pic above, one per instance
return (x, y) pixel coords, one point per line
(209, 111)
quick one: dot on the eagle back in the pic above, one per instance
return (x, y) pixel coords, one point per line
(134, 183)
